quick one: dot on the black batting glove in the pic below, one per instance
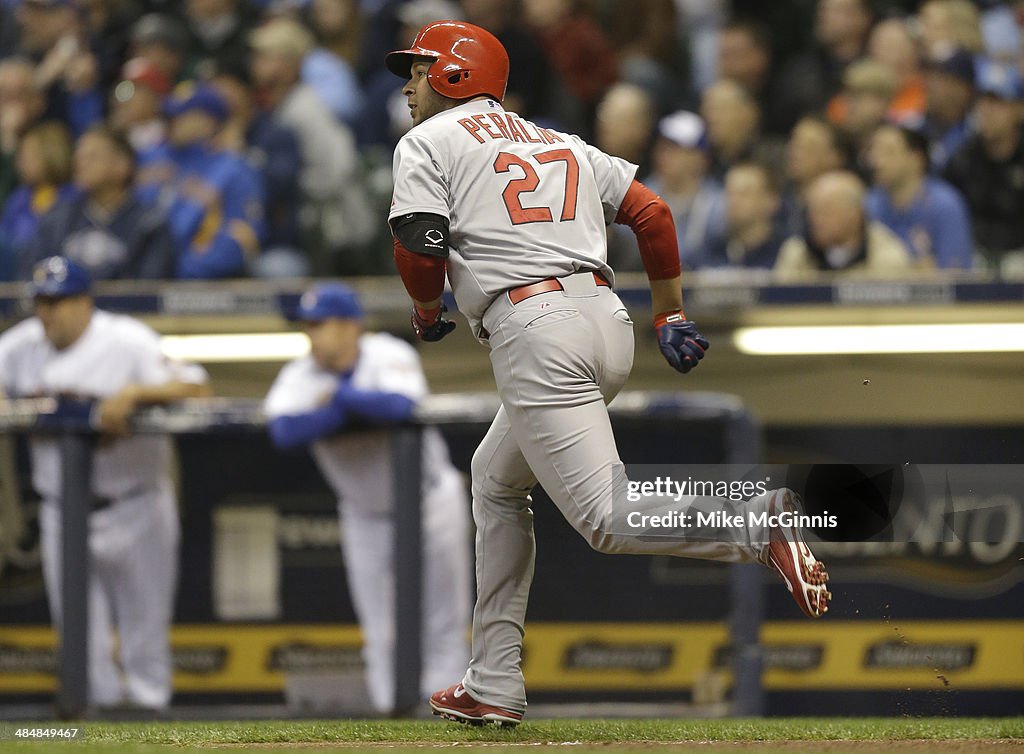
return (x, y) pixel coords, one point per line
(680, 342)
(430, 325)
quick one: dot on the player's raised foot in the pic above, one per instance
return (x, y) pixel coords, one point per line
(455, 703)
(789, 555)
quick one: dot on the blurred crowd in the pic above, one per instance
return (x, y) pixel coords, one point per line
(211, 139)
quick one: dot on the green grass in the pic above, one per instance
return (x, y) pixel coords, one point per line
(689, 735)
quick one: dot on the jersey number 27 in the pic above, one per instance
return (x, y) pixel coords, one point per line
(531, 181)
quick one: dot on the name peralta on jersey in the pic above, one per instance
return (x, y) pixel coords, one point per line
(524, 203)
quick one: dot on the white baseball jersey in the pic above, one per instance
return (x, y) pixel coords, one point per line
(358, 466)
(524, 203)
(113, 352)
(133, 542)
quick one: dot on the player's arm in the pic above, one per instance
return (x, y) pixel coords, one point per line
(420, 225)
(289, 431)
(396, 386)
(421, 251)
(115, 411)
(296, 429)
(300, 407)
(651, 221)
(375, 406)
(158, 381)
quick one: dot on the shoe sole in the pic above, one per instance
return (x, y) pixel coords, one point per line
(488, 718)
(809, 572)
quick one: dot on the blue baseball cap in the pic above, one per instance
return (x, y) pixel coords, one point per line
(59, 277)
(190, 96)
(685, 129)
(328, 300)
(999, 80)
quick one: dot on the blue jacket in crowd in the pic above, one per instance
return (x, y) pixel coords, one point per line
(214, 204)
(936, 224)
(19, 221)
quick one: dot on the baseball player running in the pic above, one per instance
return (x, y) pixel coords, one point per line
(516, 215)
(371, 378)
(71, 349)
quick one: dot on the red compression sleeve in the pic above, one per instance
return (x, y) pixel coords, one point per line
(422, 274)
(651, 220)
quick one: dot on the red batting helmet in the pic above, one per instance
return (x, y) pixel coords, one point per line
(469, 61)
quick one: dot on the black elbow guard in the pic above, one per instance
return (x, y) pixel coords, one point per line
(422, 233)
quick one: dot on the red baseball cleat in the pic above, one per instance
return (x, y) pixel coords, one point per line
(455, 703)
(788, 554)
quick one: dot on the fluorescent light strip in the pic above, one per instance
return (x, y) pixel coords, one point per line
(278, 346)
(823, 340)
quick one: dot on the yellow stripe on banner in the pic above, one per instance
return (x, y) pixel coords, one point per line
(626, 656)
(253, 653)
(27, 658)
(209, 658)
(903, 654)
(820, 655)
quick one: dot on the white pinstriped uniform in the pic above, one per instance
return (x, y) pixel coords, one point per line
(133, 541)
(358, 469)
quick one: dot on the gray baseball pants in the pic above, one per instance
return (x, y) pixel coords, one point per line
(558, 358)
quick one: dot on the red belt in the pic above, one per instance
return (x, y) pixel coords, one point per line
(515, 295)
